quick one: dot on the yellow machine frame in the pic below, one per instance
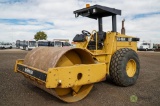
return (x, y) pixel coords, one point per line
(113, 42)
(74, 75)
(58, 77)
(83, 74)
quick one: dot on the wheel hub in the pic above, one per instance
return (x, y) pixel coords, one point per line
(131, 68)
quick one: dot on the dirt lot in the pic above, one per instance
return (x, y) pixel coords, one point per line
(16, 91)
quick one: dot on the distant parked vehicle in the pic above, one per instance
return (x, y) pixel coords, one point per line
(157, 47)
(45, 43)
(54, 43)
(18, 44)
(145, 46)
(4, 45)
(0, 45)
(26, 45)
(61, 43)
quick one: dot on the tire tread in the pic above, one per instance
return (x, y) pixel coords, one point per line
(115, 64)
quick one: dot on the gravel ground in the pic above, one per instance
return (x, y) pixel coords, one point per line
(16, 91)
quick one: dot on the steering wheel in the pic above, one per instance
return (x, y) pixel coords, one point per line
(86, 33)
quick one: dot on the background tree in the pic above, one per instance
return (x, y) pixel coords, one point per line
(40, 36)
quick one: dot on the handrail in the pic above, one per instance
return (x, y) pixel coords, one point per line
(92, 34)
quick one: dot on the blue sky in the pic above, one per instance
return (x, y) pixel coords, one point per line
(12, 1)
(21, 19)
(145, 15)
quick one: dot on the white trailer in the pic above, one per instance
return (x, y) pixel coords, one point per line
(145, 46)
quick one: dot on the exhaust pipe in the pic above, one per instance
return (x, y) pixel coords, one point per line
(123, 29)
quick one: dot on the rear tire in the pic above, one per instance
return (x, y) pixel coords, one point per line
(124, 67)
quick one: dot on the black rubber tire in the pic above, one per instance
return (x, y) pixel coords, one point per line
(118, 64)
